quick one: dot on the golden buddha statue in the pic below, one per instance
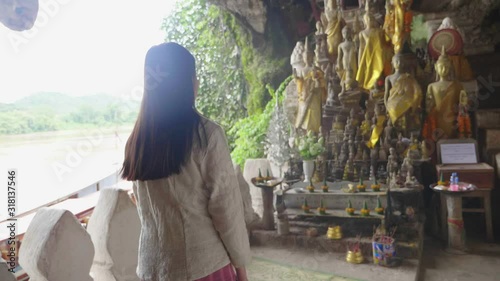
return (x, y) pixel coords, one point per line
(377, 127)
(442, 99)
(346, 54)
(402, 18)
(389, 19)
(374, 54)
(333, 23)
(403, 97)
(366, 126)
(311, 88)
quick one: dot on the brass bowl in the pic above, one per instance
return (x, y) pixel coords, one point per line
(334, 232)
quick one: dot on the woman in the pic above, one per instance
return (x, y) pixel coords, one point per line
(187, 194)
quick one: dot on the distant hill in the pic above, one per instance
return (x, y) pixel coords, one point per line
(47, 111)
(62, 104)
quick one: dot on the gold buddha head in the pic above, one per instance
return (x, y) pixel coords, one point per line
(443, 65)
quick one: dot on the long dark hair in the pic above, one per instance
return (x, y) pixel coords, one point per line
(164, 132)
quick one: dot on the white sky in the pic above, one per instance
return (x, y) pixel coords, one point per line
(82, 47)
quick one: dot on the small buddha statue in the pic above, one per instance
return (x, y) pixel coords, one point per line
(403, 97)
(407, 166)
(441, 100)
(392, 161)
(366, 126)
(347, 56)
(321, 56)
(349, 128)
(374, 57)
(377, 127)
(388, 132)
(338, 125)
(311, 88)
(400, 145)
(333, 23)
(463, 119)
(413, 150)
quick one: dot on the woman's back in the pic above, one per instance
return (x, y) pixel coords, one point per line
(192, 222)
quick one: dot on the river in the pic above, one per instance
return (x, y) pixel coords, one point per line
(55, 164)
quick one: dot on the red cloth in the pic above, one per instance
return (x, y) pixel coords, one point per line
(224, 274)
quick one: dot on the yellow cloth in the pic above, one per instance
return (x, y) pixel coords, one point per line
(404, 95)
(444, 111)
(377, 131)
(461, 66)
(334, 37)
(375, 60)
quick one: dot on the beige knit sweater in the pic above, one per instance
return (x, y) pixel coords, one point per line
(193, 223)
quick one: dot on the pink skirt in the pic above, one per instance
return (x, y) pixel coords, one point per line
(224, 274)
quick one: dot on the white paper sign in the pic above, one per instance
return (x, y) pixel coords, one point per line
(458, 153)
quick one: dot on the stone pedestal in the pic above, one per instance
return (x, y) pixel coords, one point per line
(251, 171)
(56, 247)
(115, 228)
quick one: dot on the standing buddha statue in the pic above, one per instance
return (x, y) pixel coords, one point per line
(374, 55)
(441, 100)
(403, 17)
(347, 57)
(402, 98)
(333, 23)
(311, 88)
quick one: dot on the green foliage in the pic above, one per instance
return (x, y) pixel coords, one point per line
(44, 112)
(204, 30)
(250, 132)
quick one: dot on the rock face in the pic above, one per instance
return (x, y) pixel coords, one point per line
(56, 248)
(18, 15)
(115, 228)
(250, 12)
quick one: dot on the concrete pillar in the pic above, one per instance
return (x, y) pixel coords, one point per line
(251, 217)
(115, 228)
(251, 171)
(56, 248)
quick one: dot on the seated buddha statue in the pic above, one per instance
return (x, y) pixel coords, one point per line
(442, 99)
(402, 98)
(374, 54)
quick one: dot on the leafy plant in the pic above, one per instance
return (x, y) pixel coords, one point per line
(250, 132)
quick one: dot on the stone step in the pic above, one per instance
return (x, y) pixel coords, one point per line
(321, 243)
